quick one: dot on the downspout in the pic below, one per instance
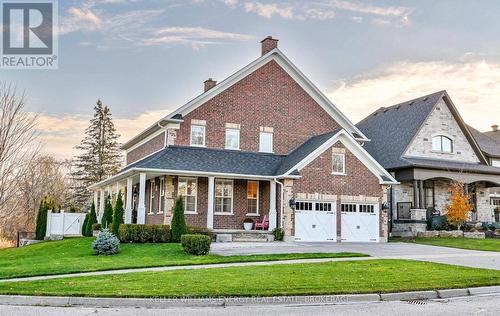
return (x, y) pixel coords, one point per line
(281, 202)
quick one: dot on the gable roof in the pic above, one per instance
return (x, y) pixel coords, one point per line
(288, 66)
(392, 129)
(495, 135)
(489, 145)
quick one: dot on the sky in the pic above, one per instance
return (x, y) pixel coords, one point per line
(145, 58)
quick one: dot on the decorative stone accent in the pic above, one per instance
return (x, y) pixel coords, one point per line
(359, 198)
(171, 136)
(169, 200)
(224, 238)
(418, 214)
(428, 234)
(453, 233)
(475, 235)
(288, 211)
(408, 229)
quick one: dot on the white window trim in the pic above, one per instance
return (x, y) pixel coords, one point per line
(232, 197)
(161, 196)
(272, 142)
(152, 188)
(204, 135)
(236, 130)
(195, 196)
(258, 199)
(343, 173)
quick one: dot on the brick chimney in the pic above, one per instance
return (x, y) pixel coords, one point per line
(209, 84)
(268, 44)
(494, 128)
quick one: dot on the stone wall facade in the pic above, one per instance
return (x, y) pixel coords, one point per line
(441, 122)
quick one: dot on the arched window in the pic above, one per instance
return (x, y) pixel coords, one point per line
(442, 144)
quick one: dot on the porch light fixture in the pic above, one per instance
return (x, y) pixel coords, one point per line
(292, 204)
(385, 206)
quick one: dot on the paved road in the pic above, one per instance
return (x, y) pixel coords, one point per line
(463, 257)
(472, 305)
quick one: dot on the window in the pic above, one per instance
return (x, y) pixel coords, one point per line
(442, 144)
(348, 208)
(495, 202)
(303, 206)
(224, 196)
(495, 162)
(152, 189)
(266, 142)
(161, 207)
(187, 188)
(338, 163)
(197, 135)
(232, 138)
(313, 206)
(367, 208)
(253, 197)
(323, 207)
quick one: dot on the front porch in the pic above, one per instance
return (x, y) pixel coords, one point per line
(221, 204)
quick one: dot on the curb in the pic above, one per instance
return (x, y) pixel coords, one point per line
(161, 302)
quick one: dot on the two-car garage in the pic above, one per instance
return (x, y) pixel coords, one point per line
(318, 221)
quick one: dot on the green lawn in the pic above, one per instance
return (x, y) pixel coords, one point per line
(464, 243)
(291, 279)
(75, 255)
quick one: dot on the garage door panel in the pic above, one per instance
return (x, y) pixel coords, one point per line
(360, 222)
(317, 223)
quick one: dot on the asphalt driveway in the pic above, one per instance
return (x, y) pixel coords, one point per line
(396, 250)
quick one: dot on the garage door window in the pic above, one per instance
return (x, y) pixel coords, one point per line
(360, 208)
(313, 206)
(304, 206)
(364, 208)
(348, 208)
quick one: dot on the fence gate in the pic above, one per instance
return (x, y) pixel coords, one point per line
(64, 224)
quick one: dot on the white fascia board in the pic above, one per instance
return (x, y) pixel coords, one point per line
(354, 147)
(154, 127)
(145, 140)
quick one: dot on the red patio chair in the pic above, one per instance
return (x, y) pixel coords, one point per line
(264, 224)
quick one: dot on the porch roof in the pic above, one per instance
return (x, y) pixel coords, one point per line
(453, 166)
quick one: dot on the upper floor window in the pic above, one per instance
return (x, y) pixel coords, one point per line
(338, 163)
(266, 142)
(197, 135)
(442, 144)
(232, 138)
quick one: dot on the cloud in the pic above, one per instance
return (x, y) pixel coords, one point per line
(370, 9)
(80, 19)
(196, 37)
(61, 133)
(474, 87)
(290, 11)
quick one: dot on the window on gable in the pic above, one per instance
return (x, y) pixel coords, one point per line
(232, 138)
(187, 188)
(442, 144)
(197, 135)
(253, 197)
(338, 163)
(266, 142)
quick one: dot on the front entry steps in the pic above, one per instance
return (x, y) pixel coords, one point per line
(239, 235)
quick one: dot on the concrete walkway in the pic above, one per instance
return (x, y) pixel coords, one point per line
(469, 258)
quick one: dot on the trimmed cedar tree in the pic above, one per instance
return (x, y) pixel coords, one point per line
(117, 214)
(41, 221)
(458, 209)
(178, 226)
(92, 220)
(85, 225)
(107, 216)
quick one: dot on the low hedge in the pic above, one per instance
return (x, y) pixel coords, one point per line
(143, 233)
(196, 244)
(193, 230)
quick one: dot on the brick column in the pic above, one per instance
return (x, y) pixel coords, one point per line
(169, 200)
(288, 214)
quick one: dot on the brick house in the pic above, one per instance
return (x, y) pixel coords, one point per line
(264, 144)
(426, 145)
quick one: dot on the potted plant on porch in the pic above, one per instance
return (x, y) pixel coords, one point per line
(248, 223)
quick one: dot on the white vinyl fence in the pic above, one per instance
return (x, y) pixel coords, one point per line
(64, 224)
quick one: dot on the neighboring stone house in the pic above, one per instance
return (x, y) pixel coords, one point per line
(263, 144)
(426, 145)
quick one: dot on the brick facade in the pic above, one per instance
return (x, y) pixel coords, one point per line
(153, 145)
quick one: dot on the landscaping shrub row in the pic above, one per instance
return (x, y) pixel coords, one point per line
(198, 245)
(138, 233)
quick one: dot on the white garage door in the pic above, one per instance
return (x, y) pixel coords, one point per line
(315, 221)
(360, 222)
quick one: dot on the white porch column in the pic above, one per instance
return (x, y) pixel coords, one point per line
(211, 194)
(101, 207)
(141, 208)
(128, 201)
(110, 194)
(272, 205)
(117, 190)
(96, 199)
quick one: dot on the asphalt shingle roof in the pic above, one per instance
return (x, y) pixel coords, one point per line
(392, 129)
(488, 145)
(453, 165)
